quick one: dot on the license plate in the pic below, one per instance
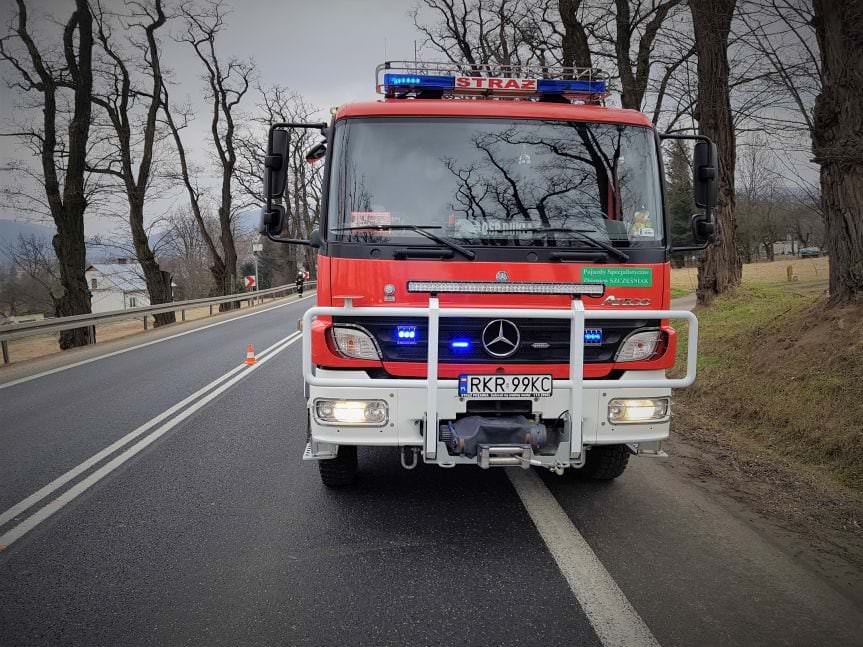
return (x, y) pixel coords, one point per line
(505, 386)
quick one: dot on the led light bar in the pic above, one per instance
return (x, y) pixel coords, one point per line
(406, 78)
(593, 336)
(418, 82)
(484, 85)
(559, 86)
(493, 287)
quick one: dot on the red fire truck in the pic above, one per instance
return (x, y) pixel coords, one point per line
(493, 273)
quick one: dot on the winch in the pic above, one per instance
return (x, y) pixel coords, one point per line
(465, 435)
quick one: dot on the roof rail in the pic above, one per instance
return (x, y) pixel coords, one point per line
(428, 79)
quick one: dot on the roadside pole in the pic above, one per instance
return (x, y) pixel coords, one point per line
(257, 247)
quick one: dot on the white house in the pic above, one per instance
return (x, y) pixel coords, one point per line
(117, 286)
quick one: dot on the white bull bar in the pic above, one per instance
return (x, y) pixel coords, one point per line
(576, 314)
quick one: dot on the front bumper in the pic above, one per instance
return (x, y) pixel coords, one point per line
(416, 406)
(406, 423)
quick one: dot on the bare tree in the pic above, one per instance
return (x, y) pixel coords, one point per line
(118, 97)
(476, 33)
(34, 282)
(721, 267)
(186, 251)
(760, 211)
(63, 163)
(838, 142)
(227, 82)
(574, 44)
(302, 197)
(185, 173)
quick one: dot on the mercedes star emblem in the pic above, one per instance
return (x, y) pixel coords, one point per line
(500, 338)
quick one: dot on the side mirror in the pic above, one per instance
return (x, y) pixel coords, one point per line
(276, 179)
(315, 238)
(705, 172)
(271, 220)
(276, 164)
(703, 228)
(316, 152)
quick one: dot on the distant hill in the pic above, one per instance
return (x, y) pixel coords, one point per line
(10, 230)
(248, 220)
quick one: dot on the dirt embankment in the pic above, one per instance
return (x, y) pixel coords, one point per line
(776, 415)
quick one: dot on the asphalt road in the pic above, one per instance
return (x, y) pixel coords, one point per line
(206, 528)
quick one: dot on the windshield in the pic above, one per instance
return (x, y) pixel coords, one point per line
(489, 181)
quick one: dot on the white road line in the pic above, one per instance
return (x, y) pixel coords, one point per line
(73, 492)
(613, 618)
(60, 481)
(65, 367)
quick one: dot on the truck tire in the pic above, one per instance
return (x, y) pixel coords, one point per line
(340, 471)
(605, 462)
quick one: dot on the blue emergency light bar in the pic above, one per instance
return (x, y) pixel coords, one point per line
(418, 82)
(406, 78)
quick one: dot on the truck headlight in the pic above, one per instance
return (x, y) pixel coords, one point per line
(358, 413)
(355, 342)
(639, 346)
(623, 411)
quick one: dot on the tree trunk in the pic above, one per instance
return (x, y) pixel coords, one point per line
(69, 214)
(574, 44)
(158, 281)
(838, 142)
(71, 252)
(720, 268)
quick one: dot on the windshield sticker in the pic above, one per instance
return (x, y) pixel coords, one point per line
(370, 218)
(632, 277)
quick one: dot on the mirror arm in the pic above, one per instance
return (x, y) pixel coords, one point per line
(288, 241)
(690, 248)
(703, 138)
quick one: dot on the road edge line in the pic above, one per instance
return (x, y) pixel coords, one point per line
(614, 619)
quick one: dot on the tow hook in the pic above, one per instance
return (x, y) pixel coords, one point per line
(414, 456)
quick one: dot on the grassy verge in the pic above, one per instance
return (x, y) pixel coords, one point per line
(807, 272)
(779, 371)
(775, 418)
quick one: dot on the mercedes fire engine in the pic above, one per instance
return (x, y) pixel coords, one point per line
(493, 272)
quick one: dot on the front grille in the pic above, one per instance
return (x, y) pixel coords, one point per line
(543, 341)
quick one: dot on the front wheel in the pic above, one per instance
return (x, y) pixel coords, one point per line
(340, 471)
(605, 462)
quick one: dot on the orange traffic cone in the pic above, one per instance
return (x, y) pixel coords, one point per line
(250, 355)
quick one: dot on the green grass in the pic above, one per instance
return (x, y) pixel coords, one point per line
(679, 292)
(780, 371)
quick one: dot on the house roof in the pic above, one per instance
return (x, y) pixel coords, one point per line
(128, 277)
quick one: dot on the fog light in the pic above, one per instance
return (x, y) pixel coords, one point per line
(625, 411)
(358, 413)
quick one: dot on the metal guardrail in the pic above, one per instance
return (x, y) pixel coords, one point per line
(58, 324)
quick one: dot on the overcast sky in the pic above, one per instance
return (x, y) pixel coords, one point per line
(326, 50)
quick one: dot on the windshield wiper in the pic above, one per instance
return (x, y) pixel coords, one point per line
(623, 256)
(421, 230)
